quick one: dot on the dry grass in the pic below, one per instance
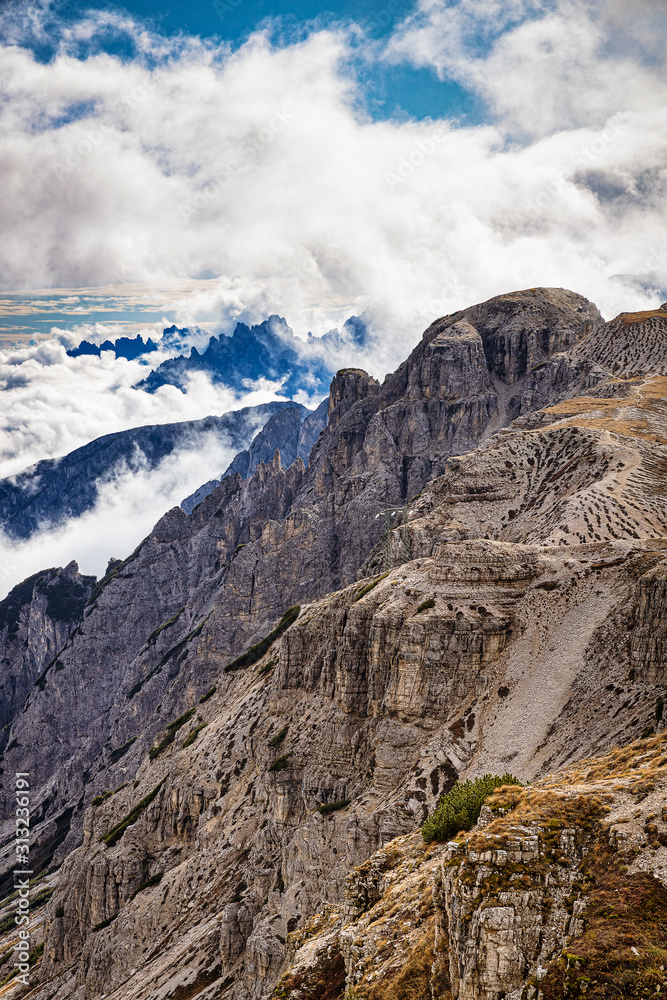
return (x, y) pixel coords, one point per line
(623, 912)
(413, 980)
(640, 317)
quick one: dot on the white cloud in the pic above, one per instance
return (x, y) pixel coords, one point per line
(52, 404)
(254, 165)
(130, 503)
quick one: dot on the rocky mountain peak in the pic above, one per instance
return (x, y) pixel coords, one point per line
(239, 719)
(348, 386)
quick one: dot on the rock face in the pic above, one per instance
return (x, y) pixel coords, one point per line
(292, 431)
(474, 586)
(36, 618)
(55, 490)
(540, 900)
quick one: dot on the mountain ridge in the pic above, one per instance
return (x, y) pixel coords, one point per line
(444, 623)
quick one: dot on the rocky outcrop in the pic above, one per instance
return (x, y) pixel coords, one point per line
(250, 766)
(36, 618)
(540, 900)
(292, 431)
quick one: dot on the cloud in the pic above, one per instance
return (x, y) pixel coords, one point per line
(52, 404)
(253, 180)
(130, 503)
(190, 160)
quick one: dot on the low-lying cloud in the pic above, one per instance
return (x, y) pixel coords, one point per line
(130, 502)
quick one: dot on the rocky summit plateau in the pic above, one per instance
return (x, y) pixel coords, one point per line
(235, 737)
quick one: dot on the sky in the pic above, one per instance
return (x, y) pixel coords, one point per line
(204, 163)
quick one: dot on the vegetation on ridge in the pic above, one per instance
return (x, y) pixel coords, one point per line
(459, 809)
(257, 651)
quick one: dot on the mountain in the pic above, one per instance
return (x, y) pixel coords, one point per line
(36, 618)
(292, 431)
(123, 347)
(268, 350)
(54, 490)
(234, 749)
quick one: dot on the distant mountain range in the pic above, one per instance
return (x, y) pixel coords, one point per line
(124, 347)
(269, 350)
(55, 490)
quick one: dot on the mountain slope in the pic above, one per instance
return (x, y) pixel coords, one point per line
(54, 490)
(486, 637)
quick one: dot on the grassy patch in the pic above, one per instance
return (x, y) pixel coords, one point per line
(459, 809)
(189, 740)
(117, 831)
(150, 641)
(209, 694)
(279, 737)
(267, 668)
(366, 589)
(256, 652)
(103, 796)
(153, 880)
(425, 605)
(104, 923)
(330, 807)
(622, 912)
(281, 763)
(172, 729)
(412, 981)
(119, 752)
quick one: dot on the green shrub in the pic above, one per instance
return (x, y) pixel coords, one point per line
(459, 809)
(256, 652)
(103, 796)
(119, 752)
(153, 880)
(104, 923)
(425, 605)
(172, 729)
(330, 807)
(117, 831)
(281, 763)
(209, 694)
(366, 589)
(189, 740)
(279, 737)
(267, 668)
(150, 641)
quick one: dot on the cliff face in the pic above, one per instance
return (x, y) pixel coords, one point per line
(558, 892)
(36, 618)
(510, 619)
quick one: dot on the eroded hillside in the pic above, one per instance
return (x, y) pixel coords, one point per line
(476, 562)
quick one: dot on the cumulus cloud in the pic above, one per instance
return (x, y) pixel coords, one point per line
(257, 172)
(52, 404)
(130, 502)
(257, 166)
